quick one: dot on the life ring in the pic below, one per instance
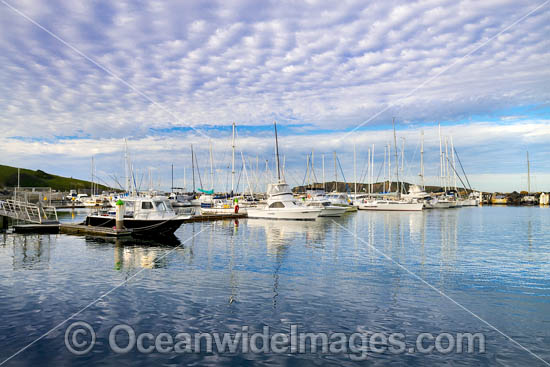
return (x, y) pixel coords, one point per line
(237, 209)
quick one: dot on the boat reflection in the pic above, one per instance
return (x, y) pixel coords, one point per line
(279, 233)
(30, 252)
(132, 253)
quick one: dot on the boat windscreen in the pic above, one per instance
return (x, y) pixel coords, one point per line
(160, 206)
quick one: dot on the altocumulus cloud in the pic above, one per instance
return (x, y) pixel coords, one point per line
(325, 65)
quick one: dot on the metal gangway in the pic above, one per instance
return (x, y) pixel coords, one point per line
(33, 213)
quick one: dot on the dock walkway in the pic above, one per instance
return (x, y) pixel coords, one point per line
(71, 228)
(32, 213)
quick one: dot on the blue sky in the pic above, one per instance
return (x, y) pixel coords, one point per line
(167, 74)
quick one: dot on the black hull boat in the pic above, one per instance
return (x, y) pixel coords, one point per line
(139, 227)
(144, 216)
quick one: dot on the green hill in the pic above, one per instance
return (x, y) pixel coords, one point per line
(30, 178)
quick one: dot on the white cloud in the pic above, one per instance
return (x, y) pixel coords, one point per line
(331, 64)
(486, 149)
(326, 65)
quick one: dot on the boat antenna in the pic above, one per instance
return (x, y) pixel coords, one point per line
(277, 151)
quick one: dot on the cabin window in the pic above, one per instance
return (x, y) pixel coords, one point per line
(160, 206)
(276, 204)
(147, 205)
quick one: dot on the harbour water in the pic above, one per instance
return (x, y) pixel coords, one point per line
(326, 276)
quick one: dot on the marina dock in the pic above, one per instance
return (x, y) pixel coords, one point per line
(36, 228)
(69, 228)
(216, 216)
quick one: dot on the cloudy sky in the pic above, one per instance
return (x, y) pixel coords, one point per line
(77, 78)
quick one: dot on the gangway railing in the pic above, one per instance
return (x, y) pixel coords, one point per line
(34, 213)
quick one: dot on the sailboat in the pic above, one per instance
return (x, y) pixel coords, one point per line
(316, 198)
(280, 202)
(397, 204)
(340, 199)
(223, 205)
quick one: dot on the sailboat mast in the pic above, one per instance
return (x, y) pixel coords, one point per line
(172, 189)
(385, 165)
(372, 169)
(257, 170)
(313, 167)
(396, 159)
(447, 183)
(402, 162)
(368, 172)
(308, 174)
(389, 168)
(246, 175)
(440, 158)
(422, 159)
(324, 185)
(528, 175)
(126, 166)
(193, 167)
(92, 183)
(355, 170)
(335, 174)
(233, 160)
(277, 152)
(454, 163)
(211, 168)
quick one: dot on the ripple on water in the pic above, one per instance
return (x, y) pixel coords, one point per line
(319, 276)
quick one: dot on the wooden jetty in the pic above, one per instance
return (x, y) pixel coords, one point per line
(70, 228)
(36, 228)
(215, 216)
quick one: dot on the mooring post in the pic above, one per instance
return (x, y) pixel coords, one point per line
(119, 220)
(3, 223)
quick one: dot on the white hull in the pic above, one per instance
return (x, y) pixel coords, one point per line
(391, 206)
(349, 208)
(470, 202)
(441, 205)
(332, 211)
(285, 213)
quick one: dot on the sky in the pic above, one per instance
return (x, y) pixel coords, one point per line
(77, 78)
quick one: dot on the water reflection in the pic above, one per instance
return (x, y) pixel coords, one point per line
(132, 253)
(279, 234)
(30, 252)
(72, 215)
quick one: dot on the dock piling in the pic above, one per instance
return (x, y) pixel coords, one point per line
(119, 216)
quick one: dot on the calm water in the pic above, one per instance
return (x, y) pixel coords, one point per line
(318, 275)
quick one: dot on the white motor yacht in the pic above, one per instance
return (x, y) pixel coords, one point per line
(417, 194)
(327, 210)
(392, 205)
(280, 201)
(341, 199)
(282, 205)
(180, 200)
(316, 198)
